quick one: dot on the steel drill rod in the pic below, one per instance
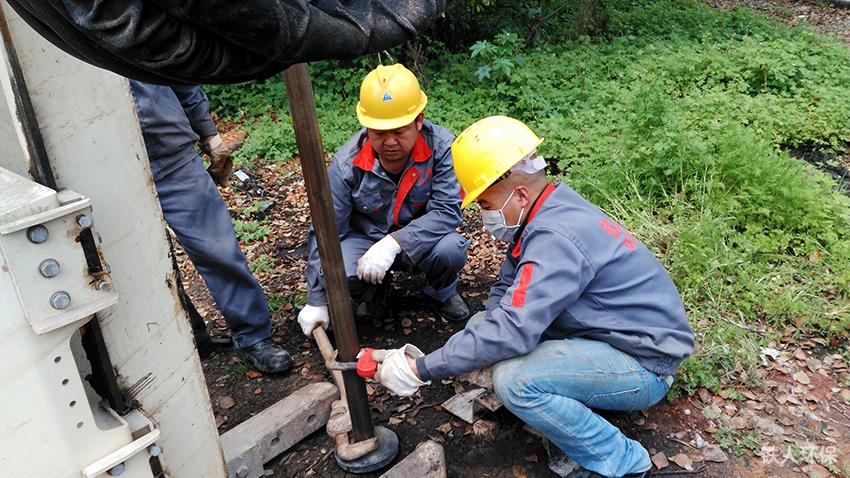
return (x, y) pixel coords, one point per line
(302, 107)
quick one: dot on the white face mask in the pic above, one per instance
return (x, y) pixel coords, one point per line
(494, 222)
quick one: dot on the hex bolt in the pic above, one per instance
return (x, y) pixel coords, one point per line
(242, 471)
(155, 450)
(84, 221)
(104, 286)
(116, 470)
(49, 268)
(60, 300)
(37, 234)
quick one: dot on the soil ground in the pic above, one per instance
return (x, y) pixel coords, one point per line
(796, 423)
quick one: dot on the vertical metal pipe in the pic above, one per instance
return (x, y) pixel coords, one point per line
(302, 107)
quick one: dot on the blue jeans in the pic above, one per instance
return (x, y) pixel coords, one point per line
(196, 212)
(554, 387)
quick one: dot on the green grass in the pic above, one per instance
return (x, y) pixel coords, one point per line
(674, 120)
(262, 264)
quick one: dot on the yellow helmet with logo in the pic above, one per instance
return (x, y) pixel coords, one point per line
(487, 150)
(390, 98)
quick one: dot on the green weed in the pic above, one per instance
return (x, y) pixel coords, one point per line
(262, 264)
(250, 231)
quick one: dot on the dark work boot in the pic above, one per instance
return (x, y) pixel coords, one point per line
(454, 309)
(266, 356)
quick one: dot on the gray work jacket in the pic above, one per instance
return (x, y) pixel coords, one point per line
(418, 211)
(573, 272)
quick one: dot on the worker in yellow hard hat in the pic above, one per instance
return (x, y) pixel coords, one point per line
(397, 203)
(583, 315)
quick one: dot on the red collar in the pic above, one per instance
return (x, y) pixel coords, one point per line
(365, 159)
(540, 200)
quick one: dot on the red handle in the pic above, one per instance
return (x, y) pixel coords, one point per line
(366, 366)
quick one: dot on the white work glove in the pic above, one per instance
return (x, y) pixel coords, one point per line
(395, 372)
(312, 316)
(373, 266)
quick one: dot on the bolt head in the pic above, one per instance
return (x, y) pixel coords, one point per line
(84, 221)
(155, 450)
(60, 300)
(104, 286)
(116, 470)
(49, 268)
(37, 234)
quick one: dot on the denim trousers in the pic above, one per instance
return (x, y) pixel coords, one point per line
(555, 388)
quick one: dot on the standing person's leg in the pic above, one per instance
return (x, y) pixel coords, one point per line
(196, 212)
(442, 266)
(554, 387)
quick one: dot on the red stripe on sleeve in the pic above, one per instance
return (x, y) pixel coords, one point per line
(518, 299)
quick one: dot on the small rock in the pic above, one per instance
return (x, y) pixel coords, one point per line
(258, 391)
(660, 460)
(699, 441)
(406, 323)
(532, 458)
(226, 402)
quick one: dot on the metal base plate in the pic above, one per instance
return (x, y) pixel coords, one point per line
(381, 457)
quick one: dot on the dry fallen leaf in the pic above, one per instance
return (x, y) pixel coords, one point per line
(738, 423)
(483, 428)
(660, 460)
(715, 454)
(802, 378)
(226, 402)
(683, 461)
(519, 472)
(220, 420)
(254, 374)
(445, 427)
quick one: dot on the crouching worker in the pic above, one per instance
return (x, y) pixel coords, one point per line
(396, 201)
(582, 317)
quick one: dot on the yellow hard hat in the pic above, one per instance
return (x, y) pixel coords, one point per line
(390, 98)
(488, 149)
